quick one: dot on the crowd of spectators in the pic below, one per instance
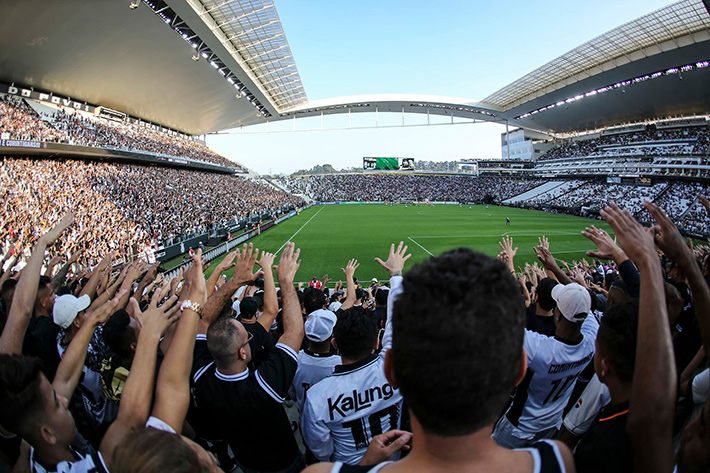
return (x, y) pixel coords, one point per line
(647, 142)
(591, 365)
(402, 187)
(121, 207)
(19, 121)
(595, 195)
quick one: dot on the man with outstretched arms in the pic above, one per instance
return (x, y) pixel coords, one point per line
(344, 411)
(553, 366)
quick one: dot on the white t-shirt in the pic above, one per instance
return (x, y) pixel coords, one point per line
(701, 387)
(344, 411)
(595, 396)
(312, 368)
(555, 366)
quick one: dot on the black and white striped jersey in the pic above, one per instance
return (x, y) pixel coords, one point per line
(345, 410)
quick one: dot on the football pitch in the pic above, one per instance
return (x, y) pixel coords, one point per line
(330, 235)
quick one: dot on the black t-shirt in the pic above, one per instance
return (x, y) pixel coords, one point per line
(245, 409)
(41, 341)
(686, 342)
(261, 345)
(606, 446)
(538, 323)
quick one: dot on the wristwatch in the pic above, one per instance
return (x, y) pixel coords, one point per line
(194, 306)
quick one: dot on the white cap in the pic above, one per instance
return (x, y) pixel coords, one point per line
(319, 325)
(67, 307)
(374, 279)
(573, 301)
(334, 306)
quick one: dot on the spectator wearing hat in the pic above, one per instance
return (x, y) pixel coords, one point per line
(336, 300)
(343, 412)
(554, 363)
(91, 408)
(318, 360)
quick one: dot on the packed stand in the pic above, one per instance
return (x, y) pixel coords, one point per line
(18, 121)
(591, 365)
(596, 194)
(679, 197)
(123, 207)
(589, 147)
(397, 187)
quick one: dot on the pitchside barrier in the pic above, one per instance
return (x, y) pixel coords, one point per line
(227, 246)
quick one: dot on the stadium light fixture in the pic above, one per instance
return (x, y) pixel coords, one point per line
(134, 4)
(195, 57)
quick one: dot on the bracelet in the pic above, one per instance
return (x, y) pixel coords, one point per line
(190, 305)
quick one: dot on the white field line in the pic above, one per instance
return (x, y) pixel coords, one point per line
(297, 231)
(420, 246)
(519, 233)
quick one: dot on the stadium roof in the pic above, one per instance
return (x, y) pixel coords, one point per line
(200, 66)
(670, 27)
(196, 66)
(252, 33)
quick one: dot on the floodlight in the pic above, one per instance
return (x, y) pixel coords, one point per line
(195, 57)
(134, 4)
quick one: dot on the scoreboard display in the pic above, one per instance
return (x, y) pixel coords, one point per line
(387, 164)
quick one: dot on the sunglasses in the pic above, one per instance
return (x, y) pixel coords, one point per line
(248, 340)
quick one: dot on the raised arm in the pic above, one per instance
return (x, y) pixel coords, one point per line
(607, 249)
(394, 266)
(653, 390)
(670, 241)
(542, 251)
(61, 276)
(172, 393)
(148, 278)
(70, 368)
(271, 301)
(224, 265)
(245, 261)
(506, 247)
(349, 271)
(52, 263)
(292, 318)
(96, 276)
(26, 291)
(138, 390)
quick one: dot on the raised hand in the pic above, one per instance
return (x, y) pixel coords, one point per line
(227, 262)
(53, 233)
(542, 251)
(506, 245)
(102, 313)
(606, 248)
(396, 259)
(667, 236)
(245, 261)
(288, 264)
(634, 239)
(195, 280)
(350, 268)
(266, 262)
(156, 320)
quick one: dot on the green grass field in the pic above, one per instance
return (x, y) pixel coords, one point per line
(329, 235)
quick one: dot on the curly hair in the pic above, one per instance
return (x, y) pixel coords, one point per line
(458, 340)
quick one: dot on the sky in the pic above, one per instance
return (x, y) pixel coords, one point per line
(457, 48)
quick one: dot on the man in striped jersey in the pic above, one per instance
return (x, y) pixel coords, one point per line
(553, 366)
(344, 411)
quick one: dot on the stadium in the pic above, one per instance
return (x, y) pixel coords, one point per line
(111, 186)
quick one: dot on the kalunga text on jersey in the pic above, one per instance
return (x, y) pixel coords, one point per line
(358, 401)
